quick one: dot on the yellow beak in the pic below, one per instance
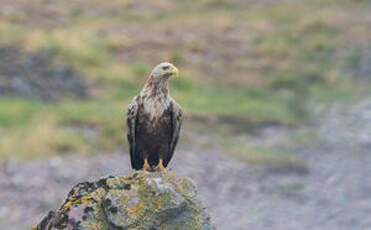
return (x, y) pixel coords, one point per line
(175, 71)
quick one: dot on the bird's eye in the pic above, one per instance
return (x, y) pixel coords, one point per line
(165, 67)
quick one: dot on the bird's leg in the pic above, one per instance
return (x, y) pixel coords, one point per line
(146, 166)
(160, 167)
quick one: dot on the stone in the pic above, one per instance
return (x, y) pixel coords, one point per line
(141, 200)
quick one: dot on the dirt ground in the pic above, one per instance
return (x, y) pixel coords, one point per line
(333, 194)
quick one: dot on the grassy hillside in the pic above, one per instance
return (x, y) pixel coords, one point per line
(251, 61)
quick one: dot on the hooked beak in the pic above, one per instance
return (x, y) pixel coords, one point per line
(175, 71)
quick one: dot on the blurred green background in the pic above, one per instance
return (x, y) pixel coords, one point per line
(251, 62)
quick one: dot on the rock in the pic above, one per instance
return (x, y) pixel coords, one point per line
(141, 200)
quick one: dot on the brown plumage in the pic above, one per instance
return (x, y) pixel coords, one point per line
(153, 121)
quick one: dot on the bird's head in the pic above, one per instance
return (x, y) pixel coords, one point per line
(164, 71)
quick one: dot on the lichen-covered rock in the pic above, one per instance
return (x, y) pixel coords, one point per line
(141, 200)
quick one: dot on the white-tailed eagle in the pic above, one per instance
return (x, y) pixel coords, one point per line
(153, 121)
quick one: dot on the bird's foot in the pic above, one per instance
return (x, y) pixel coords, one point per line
(146, 166)
(160, 167)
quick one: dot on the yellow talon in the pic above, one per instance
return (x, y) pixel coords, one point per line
(160, 167)
(146, 166)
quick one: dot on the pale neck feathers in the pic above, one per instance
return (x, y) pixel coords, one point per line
(155, 88)
(156, 98)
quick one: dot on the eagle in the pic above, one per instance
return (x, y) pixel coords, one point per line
(153, 122)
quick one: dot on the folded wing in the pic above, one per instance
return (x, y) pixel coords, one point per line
(131, 120)
(176, 121)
